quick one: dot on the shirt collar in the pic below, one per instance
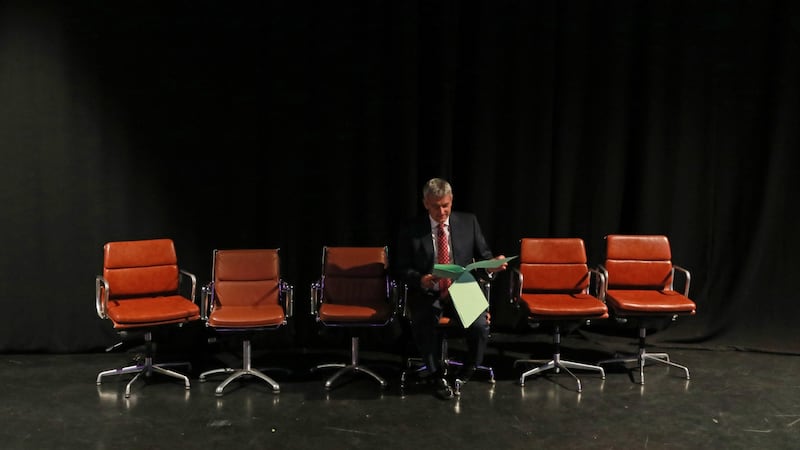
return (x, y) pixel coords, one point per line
(435, 224)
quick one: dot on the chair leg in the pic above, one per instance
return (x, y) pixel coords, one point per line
(458, 384)
(146, 367)
(353, 367)
(417, 366)
(446, 362)
(246, 370)
(643, 356)
(557, 364)
(454, 363)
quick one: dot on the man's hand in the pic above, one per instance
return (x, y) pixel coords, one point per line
(500, 268)
(428, 281)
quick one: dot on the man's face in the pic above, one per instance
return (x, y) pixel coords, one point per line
(438, 207)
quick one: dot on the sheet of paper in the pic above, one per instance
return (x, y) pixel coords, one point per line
(488, 263)
(454, 271)
(447, 270)
(468, 298)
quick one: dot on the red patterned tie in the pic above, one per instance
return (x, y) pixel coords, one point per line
(442, 257)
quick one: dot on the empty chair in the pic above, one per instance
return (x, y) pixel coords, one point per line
(246, 295)
(639, 291)
(143, 290)
(354, 291)
(552, 285)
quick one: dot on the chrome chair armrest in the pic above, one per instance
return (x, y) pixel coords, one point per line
(604, 271)
(101, 292)
(404, 308)
(316, 297)
(397, 297)
(515, 285)
(287, 296)
(598, 288)
(206, 300)
(687, 278)
(193, 279)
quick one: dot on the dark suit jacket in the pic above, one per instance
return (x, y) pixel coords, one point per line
(414, 256)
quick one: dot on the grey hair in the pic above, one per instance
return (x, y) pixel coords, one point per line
(437, 188)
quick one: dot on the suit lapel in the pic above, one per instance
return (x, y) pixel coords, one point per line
(425, 235)
(455, 238)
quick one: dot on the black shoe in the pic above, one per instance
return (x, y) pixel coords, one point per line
(420, 377)
(431, 376)
(415, 378)
(442, 389)
(466, 373)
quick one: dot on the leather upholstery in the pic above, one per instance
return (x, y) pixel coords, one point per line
(246, 295)
(555, 285)
(639, 291)
(143, 282)
(555, 278)
(354, 290)
(247, 289)
(140, 289)
(355, 286)
(639, 281)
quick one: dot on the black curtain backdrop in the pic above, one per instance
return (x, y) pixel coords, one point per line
(299, 124)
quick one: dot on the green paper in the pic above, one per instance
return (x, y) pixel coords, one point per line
(468, 298)
(453, 271)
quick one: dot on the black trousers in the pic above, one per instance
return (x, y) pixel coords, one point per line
(425, 311)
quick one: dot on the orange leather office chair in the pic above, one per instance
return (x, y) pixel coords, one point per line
(142, 289)
(553, 284)
(355, 290)
(246, 295)
(639, 290)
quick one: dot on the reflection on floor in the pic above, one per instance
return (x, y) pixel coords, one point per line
(733, 400)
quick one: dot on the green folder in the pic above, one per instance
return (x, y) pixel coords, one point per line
(468, 297)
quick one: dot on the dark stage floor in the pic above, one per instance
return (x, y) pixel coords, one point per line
(734, 399)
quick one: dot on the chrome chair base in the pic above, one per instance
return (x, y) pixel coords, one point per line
(147, 368)
(246, 370)
(643, 357)
(641, 360)
(353, 367)
(557, 364)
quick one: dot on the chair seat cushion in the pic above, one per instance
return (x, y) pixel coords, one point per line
(246, 316)
(558, 306)
(149, 311)
(332, 313)
(645, 302)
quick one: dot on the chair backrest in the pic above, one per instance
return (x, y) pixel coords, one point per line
(246, 276)
(140, 268)
(355, 275)
(638, 262)
(553, 265)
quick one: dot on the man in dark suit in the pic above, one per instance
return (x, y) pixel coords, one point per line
(416, 252)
